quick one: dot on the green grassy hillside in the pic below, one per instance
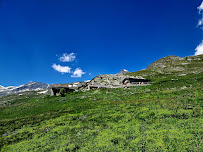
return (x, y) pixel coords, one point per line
(172, 67)
(165, 116)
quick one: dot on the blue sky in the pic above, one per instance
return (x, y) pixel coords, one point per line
(104, 37)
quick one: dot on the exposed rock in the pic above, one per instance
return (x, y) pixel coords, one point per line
(184, 87)
(124, 71)
(111, 79)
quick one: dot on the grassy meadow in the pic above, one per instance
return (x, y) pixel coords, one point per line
(164, 116)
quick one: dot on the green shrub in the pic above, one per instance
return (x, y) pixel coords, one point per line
(62, 92)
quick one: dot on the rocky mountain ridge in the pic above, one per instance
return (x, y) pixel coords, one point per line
(177, 64)
(172, 66)
(31, 86)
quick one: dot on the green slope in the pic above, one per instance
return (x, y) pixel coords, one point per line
(172, 67)
(166, 117)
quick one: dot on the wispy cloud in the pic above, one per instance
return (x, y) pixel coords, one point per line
(200, 8)
(67, 57)
(62, 69)
(77, 73)
(199, 49)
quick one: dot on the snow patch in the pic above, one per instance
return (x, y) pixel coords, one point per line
(43, 92)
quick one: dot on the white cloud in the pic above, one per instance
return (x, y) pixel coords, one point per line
(62, 69)
(66, 69)
(199, 49)
(200, 8)
(67, 57)
(77, 73)
(200, 22)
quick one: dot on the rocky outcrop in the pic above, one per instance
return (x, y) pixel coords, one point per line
(111, 79)
(124, 71)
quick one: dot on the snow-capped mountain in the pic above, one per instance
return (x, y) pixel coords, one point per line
(124, 71)
(2, 88)
(31, 86)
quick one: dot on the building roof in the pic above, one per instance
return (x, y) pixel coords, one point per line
(59, 86)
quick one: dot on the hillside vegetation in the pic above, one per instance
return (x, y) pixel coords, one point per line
(171, 67)
(165, 116)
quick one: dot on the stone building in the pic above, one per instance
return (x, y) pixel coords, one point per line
(68, 87)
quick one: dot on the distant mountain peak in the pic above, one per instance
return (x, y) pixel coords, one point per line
(31, 86)
(2, 86)
(124, 71)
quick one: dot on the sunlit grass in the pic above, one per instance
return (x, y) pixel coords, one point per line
(151, 118)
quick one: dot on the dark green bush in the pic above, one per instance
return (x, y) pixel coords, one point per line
(62, 92)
